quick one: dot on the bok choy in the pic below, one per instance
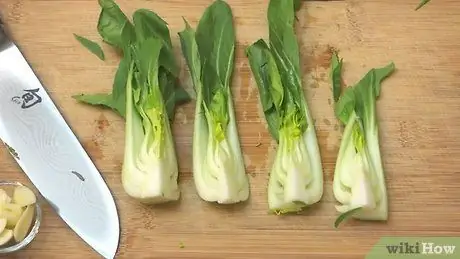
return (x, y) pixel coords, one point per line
(145, 93)
(218, 165)
(296, 177)
(359, 179)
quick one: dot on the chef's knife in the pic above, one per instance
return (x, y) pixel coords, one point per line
(50, 154)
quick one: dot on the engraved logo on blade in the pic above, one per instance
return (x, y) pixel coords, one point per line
(29, 99)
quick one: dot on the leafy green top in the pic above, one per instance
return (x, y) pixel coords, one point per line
(209, 53)
(276, 69)
(359, 98)
(114, 26)
(147, 29)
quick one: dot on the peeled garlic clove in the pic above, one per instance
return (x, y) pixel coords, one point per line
(6, 236)
(22, 227)
(4, 198)
(12, 212)
(23, 196)
(2, 224)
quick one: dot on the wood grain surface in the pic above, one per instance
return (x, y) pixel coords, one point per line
(418, 112)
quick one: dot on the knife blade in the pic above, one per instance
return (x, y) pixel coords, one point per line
(49, 153)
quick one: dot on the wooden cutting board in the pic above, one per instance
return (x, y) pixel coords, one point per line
(418, 112)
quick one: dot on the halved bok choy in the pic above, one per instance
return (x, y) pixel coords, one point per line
(359, 178)
(296, 176)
